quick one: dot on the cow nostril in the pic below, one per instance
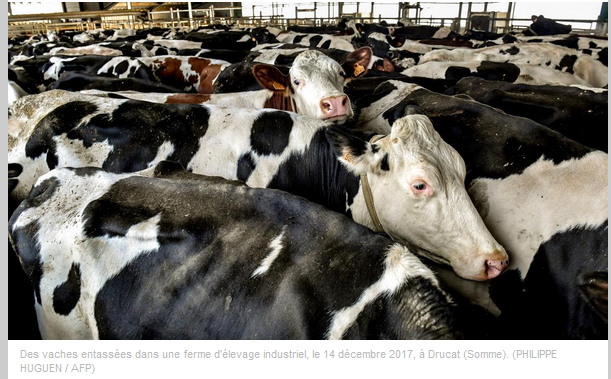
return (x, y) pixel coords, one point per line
(344, 101)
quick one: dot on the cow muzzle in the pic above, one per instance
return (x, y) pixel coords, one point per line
(333, 107)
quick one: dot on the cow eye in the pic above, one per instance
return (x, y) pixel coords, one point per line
(297, 82)
(419, 186)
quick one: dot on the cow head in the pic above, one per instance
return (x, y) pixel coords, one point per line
(316, 82)
(418, 186)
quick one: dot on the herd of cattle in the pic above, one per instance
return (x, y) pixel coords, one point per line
(359, 181)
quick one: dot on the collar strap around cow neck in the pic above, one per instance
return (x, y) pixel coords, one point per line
(369, 196)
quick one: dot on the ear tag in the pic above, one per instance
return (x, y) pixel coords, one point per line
(278, 86)
(358, 69)
(349, 158)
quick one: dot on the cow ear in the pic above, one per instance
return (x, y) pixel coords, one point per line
(357, 154)
(356, 62)
(398, 41)
(270, 77)
(595, 288)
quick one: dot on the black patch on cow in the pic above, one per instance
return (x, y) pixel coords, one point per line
(67, 294)
(121, 68)
(592, 45)
(508, 38)
(374, 148)
(246, 165)
(315, 40)
(603, 56)
(132, 70)
(507, 72)
(326, 44)
(137, 129)
(318, 176)
(116, 96)
(536, 40)
(394, 113)
(549, 304)
(380, 92)
(270, 133)
(511, 51)
(567, 61)
(216, 249)
(25, 239)
(347, 143)
(493, 144)
(298, 39)
(384, 166)
(161, 51)
(548, 63)
(61, 120)
(457, 73)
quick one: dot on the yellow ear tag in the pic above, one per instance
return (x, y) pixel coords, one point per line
(349, 157)
(278, 86)
(358, 69)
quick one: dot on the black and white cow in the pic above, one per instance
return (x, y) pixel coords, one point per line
(528, 183)
(194, 257)
(323, 41)
(579, 114)
(490, 70)
(416, 179)
(544, 55)
(314, 84)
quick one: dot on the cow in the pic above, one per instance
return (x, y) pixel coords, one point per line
(190, 74)
(313, 86)
(490, 70)
(411, 169)
(577, 113)
(323, 41)
(45, 70)
(542, 26)
(528, 183)
(199, 253)
(76, 81)
(544, 55)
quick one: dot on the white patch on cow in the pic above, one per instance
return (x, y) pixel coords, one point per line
(55, 68)
(121, 33)
(178, 44)
(14, 92)
(109, 67)
(337, 42)
(27, 114)
(586, 88)
(19, 58)
(276, 247)
(83, 38)
(269, 56)
(245, 38)
(165, 150)
(85, 50)
(378, 37)
(443, 32)
(523, 211)
(399, 266)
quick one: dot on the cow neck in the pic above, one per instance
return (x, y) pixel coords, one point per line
(282, 101)
(367, 194)
(317, 175)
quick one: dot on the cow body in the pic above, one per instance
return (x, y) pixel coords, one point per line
(577, 113)
(267, 149)
(528, 184)
(508, 72)
(201, 253)
(543, 55)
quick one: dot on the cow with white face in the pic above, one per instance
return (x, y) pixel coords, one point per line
(315, 83)
(416, 181)
(414, 161)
